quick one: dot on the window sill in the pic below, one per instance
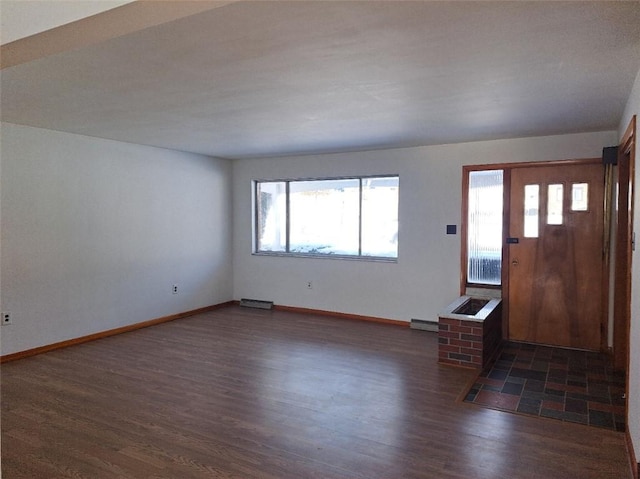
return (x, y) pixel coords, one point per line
(374, 259)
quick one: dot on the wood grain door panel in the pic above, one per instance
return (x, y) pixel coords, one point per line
(555, 279)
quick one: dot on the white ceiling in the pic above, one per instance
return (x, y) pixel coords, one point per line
(251, 79)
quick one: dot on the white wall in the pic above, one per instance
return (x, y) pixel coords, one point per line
(426, 276)
(633, 108)
(95, 232)
(22, 18)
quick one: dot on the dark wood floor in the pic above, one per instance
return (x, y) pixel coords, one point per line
(241, 393)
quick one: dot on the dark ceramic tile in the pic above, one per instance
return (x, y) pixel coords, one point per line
(534, 385)
(551, 413)
(576, 373)
(505, 356)
(530, 402)
(513, 379)
(570, 385)
(554, 392)
(582, 384)
(616, 375)
(538, 365)
(601, 419)
(598, 406)
(575, 417)
(528, 374)
(586, 397)
(599, 398)
(557, 379)
(574, 389)
(512, 388)
(491, 382)
(558, 359)
(574, 395)
(543, 397)
(502, 365)
(599, 390)
(522, 364)
(599, 381)
(556, 406)
(557, 373)
(526, 409)
(491, 387)
(617, 400)
(533, 395)
(575, 405)
(498, 374)
(553, 397)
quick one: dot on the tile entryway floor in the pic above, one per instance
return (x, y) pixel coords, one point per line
(565, 384)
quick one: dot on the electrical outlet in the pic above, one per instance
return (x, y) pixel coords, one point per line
(174, 289)
(6, 318)
(309, 285)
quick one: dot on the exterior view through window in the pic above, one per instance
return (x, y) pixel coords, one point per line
(343, 217)
(484, 227)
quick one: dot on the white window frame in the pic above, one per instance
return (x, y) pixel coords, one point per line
(287, 252)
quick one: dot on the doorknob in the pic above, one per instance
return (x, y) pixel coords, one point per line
(515, 262)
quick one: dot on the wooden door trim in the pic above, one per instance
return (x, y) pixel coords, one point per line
(463, 226)
(506, 252)
(529, 164)
(622, 266)
(629, 136)
(626, 152)
(507, 168)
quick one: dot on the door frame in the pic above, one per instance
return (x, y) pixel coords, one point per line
(507, 168)
(623, 255)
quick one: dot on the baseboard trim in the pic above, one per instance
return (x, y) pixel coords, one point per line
(335, 314)
(633, 461)
(111, 332)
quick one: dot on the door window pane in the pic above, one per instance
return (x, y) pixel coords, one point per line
(484, 227)
(531, 210)
(580, 197)
(554, 204)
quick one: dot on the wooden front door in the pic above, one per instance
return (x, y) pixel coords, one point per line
(555, 259)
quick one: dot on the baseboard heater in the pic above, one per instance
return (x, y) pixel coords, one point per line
(256, 303)
(424, 325)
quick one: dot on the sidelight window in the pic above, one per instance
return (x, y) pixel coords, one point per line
(484, 227)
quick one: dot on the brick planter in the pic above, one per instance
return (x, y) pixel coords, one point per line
(469, 343)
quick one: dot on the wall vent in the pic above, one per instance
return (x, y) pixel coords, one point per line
(256, 303)
(424, 325)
